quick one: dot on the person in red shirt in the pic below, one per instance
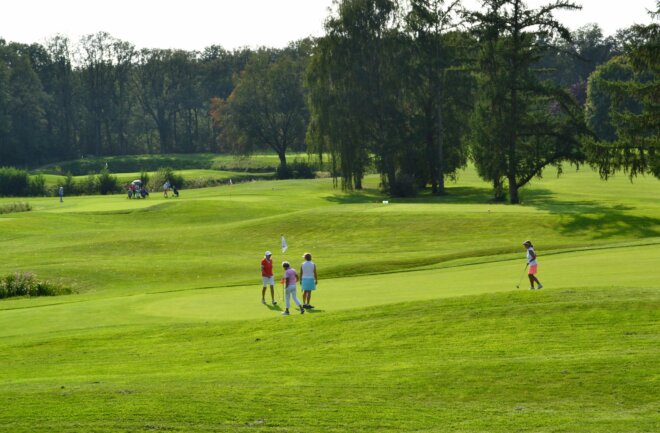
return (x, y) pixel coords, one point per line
(267, 277)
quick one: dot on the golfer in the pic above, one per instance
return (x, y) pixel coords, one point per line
(267, 277)
(308, 279)
(290, 280)
(166, 187)
(60, 192)
(533, 266)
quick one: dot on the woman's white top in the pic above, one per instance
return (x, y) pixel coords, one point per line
(308, 269)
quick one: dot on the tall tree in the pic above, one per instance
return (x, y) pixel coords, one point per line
(361, 54)
(623, 108)
(337, 103)
(526, 124)
(267, 107)
(63, 110)
(441, 88)
(5, 115)
(156, 89)
(26, 141)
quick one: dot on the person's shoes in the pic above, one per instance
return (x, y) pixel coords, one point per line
(285, 313)
(274, 302)
(302, 310)
(540, 287)
(263, 301)
(531, 288)
(310, 306)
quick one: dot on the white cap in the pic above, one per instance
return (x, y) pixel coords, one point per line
(268, 253)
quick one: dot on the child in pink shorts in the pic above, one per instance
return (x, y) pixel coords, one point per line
(533, 266)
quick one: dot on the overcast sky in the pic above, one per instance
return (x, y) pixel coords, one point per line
(196, 24)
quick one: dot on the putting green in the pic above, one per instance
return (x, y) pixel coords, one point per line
(605, 267)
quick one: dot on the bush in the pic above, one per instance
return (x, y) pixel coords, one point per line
(27, 284)
(14, 182)
(70, 185)
(144, 177)
(302, 170)
(107, 183)
(37, 186)
(283, 172)
(297, 169)
(163, 174)
(15, 207)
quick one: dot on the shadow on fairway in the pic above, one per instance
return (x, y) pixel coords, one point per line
(457, 195)
(356, 197)
(593, 219)
(274, 307)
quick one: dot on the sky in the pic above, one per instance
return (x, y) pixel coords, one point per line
(196, 24)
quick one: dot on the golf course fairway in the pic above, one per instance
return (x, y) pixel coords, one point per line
(418, 325)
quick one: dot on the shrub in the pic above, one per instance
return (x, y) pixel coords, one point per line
(27, 284)
(15, 207)
(297, 169)
(302, 170)
(283, 172)
(70, 185)
(107, 183)
(163, 174)
(37, 185)
(144, 177)
(89, 186)
(14, 182)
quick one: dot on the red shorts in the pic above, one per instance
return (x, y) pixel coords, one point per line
(532, 269)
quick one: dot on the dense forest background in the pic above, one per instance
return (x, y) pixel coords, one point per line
(413, 88)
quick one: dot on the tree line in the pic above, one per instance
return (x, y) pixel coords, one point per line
(411, 88)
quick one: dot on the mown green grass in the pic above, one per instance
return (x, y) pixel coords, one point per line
(418, 326)
(559, 360)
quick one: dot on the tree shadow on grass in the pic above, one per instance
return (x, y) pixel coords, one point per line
(457, 195)
(356, 197)
(587, 218)
(593, 219)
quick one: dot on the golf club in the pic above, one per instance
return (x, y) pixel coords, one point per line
(521, 276)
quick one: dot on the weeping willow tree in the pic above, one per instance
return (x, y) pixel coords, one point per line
(355, 96)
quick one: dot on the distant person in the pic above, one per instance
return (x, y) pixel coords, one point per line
(166, 187)
(144, 192)
(290, 281)
(533, 265)
(267, 277)
(175, 191)
(60, 192)
(308, 279)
